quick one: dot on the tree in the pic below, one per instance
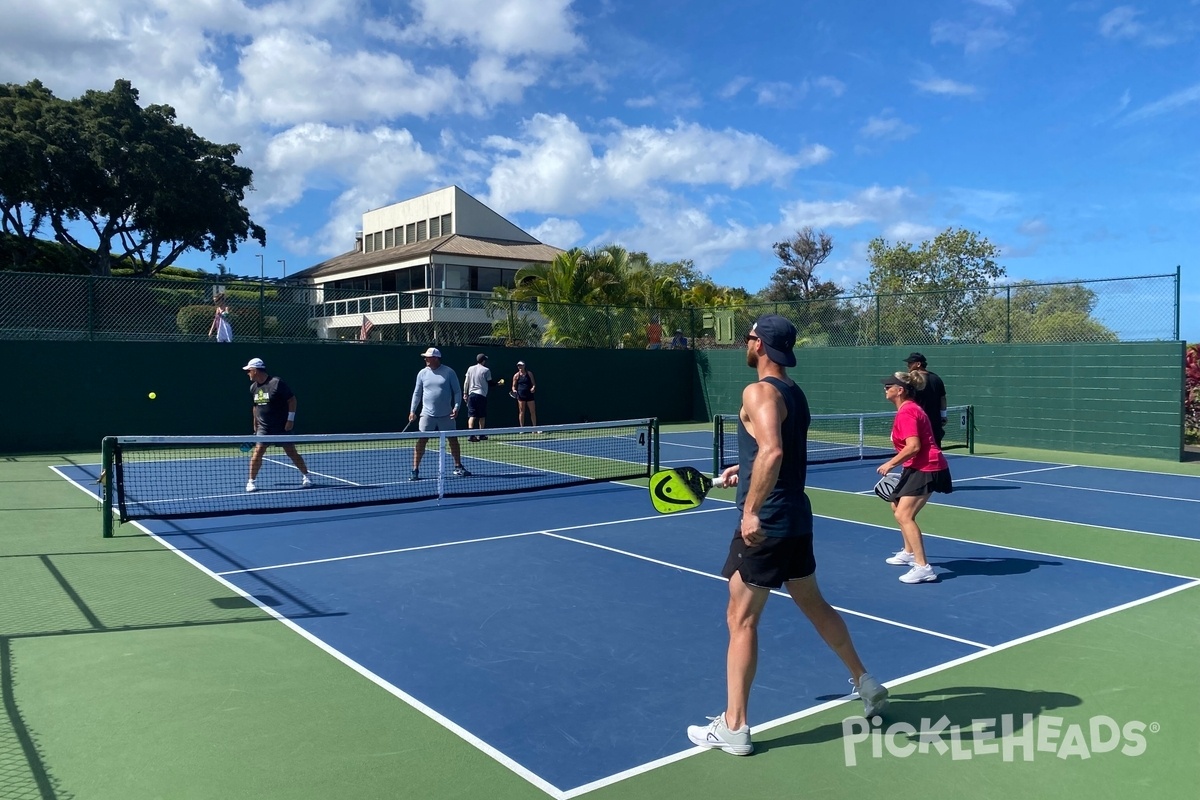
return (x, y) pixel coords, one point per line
(796, 279)
(929, 295)
(1030, 312)
(139, 188)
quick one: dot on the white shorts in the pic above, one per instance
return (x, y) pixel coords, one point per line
(436, 423)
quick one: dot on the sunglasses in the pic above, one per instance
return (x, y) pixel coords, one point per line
(750, 336)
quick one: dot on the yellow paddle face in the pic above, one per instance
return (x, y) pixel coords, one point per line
(678, 489)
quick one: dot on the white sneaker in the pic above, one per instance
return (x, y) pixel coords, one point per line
(901, 559)
(919, 575)
(306, 483)
(250, 487)
(717, 734)
(874, 695)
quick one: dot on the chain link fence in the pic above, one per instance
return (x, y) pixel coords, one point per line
(38, 306)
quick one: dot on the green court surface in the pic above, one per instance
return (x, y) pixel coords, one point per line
(127, 674)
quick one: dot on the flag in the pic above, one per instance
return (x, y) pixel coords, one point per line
(365, 330)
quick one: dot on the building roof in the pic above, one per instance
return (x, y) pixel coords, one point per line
(455, 244)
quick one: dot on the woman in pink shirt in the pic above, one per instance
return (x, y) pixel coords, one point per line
(925, 471)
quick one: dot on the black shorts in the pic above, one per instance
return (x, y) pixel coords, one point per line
(770, 564)
(914, 483)
(525, 397)
(477, 405)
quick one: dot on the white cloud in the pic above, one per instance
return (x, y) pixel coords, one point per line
(733, 87)
(556, 167)
(873, 204)
(377, 163)
(506, 27)
(1006, 6)
(1172, 102)
(830, 84)
(291, 78)
(1122, 23)
(911, 232)
(564, 233)
(972, 39)
(779, 94)
(887, 127)
(944, 86)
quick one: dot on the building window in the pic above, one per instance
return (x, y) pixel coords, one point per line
(399, 236)
(410, 233)
(446, 228)
(435, 227)
(421, 231)
(388, 241)
(368, 243)
(488, 278)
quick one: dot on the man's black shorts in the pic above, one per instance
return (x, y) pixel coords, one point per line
(477, 405)
(770, 564)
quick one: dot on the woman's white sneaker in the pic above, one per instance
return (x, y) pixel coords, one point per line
(919, 575)
(901, 559)
(717, 734)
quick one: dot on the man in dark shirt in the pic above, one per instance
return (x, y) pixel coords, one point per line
(273, 406)
(932, 399)
(773, 543)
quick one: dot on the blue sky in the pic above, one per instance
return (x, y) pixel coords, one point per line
(1066, 133)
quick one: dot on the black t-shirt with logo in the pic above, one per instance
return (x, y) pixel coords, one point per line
(271, 399)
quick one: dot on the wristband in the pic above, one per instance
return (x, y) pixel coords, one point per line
(291, 416)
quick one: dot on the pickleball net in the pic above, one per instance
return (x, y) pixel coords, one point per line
(847, 437)
(168, 477)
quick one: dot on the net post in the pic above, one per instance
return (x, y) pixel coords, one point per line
(718, 434)
(654, 435)
(971, 429)
(106, 482)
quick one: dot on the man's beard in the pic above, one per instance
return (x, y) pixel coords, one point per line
(752, 359)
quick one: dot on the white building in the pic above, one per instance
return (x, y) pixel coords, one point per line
(422, 270)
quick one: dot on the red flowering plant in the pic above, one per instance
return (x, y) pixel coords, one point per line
(1191, 406)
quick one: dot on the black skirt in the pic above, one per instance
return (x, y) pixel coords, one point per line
(915, 483)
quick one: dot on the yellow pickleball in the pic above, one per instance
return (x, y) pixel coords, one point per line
(153, 395)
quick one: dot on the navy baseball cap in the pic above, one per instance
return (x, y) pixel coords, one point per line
(778, 337)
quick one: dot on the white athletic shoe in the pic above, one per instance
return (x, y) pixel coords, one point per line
(873, 694)
(901, 559)
(306, 483)
(717, 734)
(250, 487)
(919, 575)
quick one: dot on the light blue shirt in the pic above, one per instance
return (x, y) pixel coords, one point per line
(437, 392)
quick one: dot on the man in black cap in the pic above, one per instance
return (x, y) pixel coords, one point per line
(932, 398)
(475, 388)
(773, 543)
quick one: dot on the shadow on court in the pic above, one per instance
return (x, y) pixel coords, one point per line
(961, 705)
(962, 567)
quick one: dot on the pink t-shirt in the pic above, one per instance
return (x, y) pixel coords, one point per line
(911, 420)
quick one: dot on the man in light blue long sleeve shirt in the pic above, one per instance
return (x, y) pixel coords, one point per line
(435, 398)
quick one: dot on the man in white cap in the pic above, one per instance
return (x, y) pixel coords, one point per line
(273, 405)
(436, 398)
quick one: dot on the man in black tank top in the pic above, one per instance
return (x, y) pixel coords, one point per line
(772, 545)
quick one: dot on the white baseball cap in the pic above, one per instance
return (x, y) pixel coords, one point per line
(432, 352)
(255, 363)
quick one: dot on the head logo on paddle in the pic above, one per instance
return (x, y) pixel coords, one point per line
(679, 489)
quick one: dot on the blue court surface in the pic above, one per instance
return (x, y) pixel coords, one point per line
(573, 634)
(1142, 502)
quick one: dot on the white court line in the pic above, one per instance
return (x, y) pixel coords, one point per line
(1103, 491)
(1018, 472)
(1080, 466)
